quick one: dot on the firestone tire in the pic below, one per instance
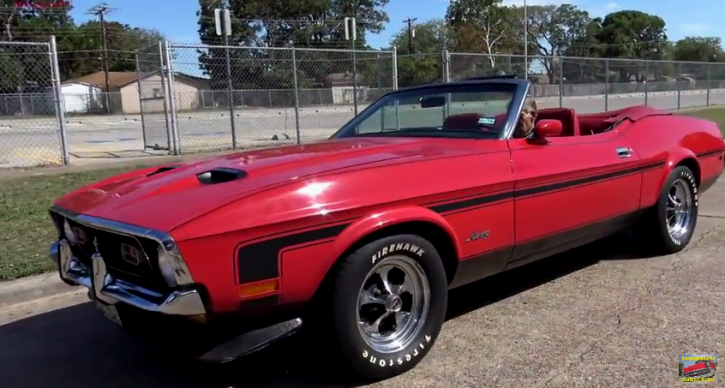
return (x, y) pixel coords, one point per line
(400, 283)
(668, 227)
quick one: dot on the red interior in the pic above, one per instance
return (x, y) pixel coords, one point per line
(573, 124)
(568, 118)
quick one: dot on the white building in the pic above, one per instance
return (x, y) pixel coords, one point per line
(81, 97)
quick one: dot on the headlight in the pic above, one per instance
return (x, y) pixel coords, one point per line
(69, 232)
(166, 267)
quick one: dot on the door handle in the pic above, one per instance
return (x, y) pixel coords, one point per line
(624, 152)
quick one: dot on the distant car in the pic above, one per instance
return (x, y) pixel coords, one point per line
(361, 236)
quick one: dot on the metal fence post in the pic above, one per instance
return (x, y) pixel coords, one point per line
(395, 68)
(297, 95)
(606, 85)
(447, 65)
(171, 98)
(58, 100)
(646, 76)
(561, 82)
(679, 84)
(230, 91)
(140, 97)
(354, 76)
(164, 85)
(707, 92)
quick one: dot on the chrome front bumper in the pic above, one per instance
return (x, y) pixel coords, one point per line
(109, 290)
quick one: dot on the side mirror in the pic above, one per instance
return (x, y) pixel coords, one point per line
(548, 128)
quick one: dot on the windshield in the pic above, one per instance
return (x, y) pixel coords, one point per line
(476, 110)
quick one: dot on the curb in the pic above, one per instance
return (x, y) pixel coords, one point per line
(30, 288)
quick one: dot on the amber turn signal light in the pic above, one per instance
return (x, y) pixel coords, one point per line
(258, 288)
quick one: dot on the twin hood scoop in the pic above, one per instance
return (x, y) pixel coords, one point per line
(221, 175)
(213, 176)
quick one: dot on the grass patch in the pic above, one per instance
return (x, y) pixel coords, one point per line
(25, 222)
(713, 114)
(28, 231)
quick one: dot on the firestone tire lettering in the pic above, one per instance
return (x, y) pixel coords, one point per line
(386, 362)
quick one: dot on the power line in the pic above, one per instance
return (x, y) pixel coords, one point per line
(101, 10)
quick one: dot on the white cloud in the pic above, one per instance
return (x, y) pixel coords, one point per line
(611, 6)
(694, 28)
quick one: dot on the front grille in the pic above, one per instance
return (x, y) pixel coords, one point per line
(109, 245)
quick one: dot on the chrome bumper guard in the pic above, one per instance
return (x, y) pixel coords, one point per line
(109, 290)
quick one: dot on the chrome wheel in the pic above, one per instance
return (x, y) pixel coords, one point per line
(393, 304)
(679, 208)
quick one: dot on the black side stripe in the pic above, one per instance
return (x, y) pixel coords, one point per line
(710, 153)
(491, 198)
(471, 202)
(586, 180)
(258, 261)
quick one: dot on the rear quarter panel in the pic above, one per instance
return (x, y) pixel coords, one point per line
(669, 139)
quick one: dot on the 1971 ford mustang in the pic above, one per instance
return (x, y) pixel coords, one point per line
(364, 234)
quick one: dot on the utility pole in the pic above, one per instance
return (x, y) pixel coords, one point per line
(101, 10)
(411, 33)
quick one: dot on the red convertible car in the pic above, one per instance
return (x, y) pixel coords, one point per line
(361, 236)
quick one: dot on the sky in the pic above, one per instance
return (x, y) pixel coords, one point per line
(177, 19)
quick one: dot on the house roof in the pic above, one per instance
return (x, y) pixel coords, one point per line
(117, 79)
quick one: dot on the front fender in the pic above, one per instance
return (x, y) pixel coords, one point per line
(377, 221)
(303, 280)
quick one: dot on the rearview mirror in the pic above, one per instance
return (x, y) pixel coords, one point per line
(432, 101)
(548, 128)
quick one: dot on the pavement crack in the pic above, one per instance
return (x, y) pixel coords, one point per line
(716, 216)
(648, 291)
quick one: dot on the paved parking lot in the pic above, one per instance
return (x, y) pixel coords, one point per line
(599, 316)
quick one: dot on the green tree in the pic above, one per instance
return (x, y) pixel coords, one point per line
(477, 26)
(258, 24)
(553, 30)
(82, 55)
(699, 49)
(431, 38)
(576, 65)
(632, 34)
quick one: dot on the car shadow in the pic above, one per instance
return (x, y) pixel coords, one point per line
(76, 347)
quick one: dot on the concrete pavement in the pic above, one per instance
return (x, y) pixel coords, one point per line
(32, 142)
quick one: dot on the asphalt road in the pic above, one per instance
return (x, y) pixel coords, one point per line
(599, 316)
(33, 141)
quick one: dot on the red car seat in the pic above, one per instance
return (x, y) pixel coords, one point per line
(568, 119)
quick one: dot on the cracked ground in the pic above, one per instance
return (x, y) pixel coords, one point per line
(598, 316)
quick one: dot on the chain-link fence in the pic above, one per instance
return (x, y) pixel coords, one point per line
(240, 97)
(32, 123)
(598, 84)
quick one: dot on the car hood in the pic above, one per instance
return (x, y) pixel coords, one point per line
(168, 199)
